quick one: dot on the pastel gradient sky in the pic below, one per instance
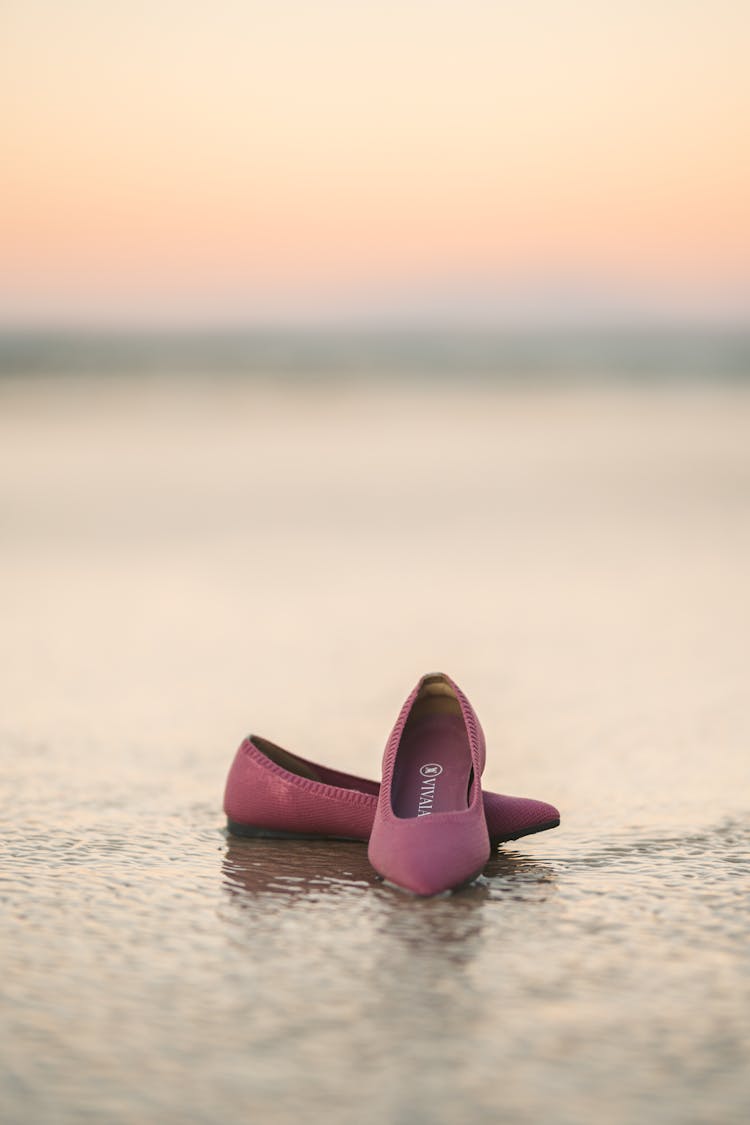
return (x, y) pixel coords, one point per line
(270, 160)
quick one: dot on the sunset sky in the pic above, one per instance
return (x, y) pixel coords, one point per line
(269, 160)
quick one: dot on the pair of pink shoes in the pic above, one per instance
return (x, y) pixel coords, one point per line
(430, 827)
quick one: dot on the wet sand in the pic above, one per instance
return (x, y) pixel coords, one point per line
(187, 560)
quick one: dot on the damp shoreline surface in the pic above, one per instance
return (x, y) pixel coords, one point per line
(188, 560)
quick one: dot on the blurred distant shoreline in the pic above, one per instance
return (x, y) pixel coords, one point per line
(635, 353)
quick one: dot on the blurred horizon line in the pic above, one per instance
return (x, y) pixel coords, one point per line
(345, 350)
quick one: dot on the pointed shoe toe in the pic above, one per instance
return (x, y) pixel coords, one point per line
(430, 856)
(510, 818)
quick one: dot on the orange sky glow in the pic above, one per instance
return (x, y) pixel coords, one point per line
(283, 158)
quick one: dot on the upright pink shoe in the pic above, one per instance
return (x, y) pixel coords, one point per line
(430, 834)
(272, 792)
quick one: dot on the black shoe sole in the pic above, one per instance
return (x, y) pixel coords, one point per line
(258, 833)
(529, 832)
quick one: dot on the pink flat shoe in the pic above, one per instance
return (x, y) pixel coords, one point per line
(430, 834)
(271, 792)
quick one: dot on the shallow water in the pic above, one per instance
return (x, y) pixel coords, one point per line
(184, 561)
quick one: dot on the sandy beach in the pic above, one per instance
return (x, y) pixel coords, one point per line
(188, 560)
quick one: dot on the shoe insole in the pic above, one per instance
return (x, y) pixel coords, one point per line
(433, 768)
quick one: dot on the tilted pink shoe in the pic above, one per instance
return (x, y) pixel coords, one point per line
(271, 792)
(430, 834)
